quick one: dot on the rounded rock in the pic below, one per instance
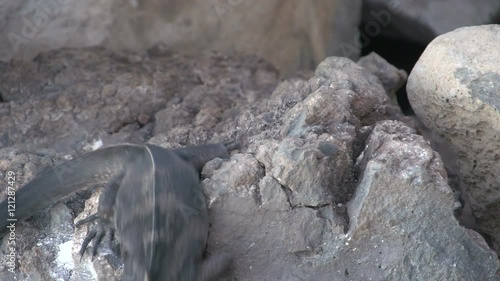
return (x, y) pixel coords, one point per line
(455, 90)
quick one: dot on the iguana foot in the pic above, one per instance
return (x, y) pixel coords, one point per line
(104, 216)
(97, 233)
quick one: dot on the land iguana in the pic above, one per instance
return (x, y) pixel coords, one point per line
(154, 198)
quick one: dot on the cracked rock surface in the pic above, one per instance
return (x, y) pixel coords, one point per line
(330, 182)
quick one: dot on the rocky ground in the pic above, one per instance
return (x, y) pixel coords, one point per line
(331, 181)
(455, 88)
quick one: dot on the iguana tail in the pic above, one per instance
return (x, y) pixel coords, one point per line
(55, 183)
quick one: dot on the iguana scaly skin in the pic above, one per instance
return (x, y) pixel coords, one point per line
(154, 198)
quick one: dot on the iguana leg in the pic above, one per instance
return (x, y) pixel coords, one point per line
(199, 155)
(103, 216)
(97, 233)
(215, 266)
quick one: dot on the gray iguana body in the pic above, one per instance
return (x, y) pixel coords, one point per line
(156, 199)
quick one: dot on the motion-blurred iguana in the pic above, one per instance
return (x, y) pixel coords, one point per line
(154, 198)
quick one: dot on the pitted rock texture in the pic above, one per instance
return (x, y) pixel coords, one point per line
(321, 188)
(455, 90)
(391, 77)
(409, 207)
(397, 225)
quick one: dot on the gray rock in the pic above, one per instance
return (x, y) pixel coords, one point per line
(311, 171)
(402, 210)
(454, 89)
(400, 221)
(327, 256)
(391, 77)
(422, 21)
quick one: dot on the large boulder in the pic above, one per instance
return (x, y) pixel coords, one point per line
(455, 90)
